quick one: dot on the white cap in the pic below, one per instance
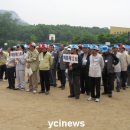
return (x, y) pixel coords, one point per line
(32, 44)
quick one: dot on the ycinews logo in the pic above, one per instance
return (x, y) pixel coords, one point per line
(64, 124)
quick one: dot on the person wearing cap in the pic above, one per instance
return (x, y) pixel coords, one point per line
(110, 61)
(95, 70)
(125, 61)
(117, 68)
(39, 49)
(74, 74)
(46, 61)
(10, 64)
(20, 68)
(3, 59)
(53, 68)
(32, 63)
(80, 49)
(84, 78)
(62, 67)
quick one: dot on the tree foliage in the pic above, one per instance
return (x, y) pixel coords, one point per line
(13, 33)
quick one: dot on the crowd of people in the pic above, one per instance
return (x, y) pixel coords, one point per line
(96, 66)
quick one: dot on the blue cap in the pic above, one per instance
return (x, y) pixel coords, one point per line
(104, 49)
(115, 46)
(74, 47)
(86, 46)
(95, 47)
(100, 47)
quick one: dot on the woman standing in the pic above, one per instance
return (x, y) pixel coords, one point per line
(74, 74)
(20, 69)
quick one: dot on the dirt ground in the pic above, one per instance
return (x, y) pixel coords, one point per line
(20, 110)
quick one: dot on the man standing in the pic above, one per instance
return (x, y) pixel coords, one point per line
(3, 59)
(53, 68)
(95, 70)
(125, 61)
(117, 68)
(62, 67)
(74, 74)
(110, 61)
(32, 63)
(84, 78)
(44, 68)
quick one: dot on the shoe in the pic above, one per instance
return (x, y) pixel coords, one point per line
(70, 96)
(104, 93)
(77, 97)
(41, 92)
(110, 95)
(8, 87)
(90, 99)
(55, 85)
(15, 88)
(118, 90)
(82, 92)
(97, 100)
(124, 88)
(47, 92)
(60, 87)
(88, 93)
(22, 89)
(34, 91)
(28, 90)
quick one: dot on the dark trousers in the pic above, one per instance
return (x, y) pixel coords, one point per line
(95, 85)
(2, 71)
(11, 77)
(108, 82)
(58, 71)
(62, 78)
(84, 81)
(53, 77)
(44, 80)
(74, 84)
(123, 78)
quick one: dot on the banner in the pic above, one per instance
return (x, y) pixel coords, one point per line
(52, 37)
(70, 58)
(16, 54)
(107, 43)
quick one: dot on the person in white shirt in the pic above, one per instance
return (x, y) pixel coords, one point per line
(125, 61)
(95, 72)
(117, 68)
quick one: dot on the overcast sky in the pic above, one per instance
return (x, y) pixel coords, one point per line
(101, 13)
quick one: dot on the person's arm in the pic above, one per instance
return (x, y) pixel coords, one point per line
(33, 58)
(101, 63)
(116, 60)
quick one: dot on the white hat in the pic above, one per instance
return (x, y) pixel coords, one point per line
(32, 44)
(68, 49)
